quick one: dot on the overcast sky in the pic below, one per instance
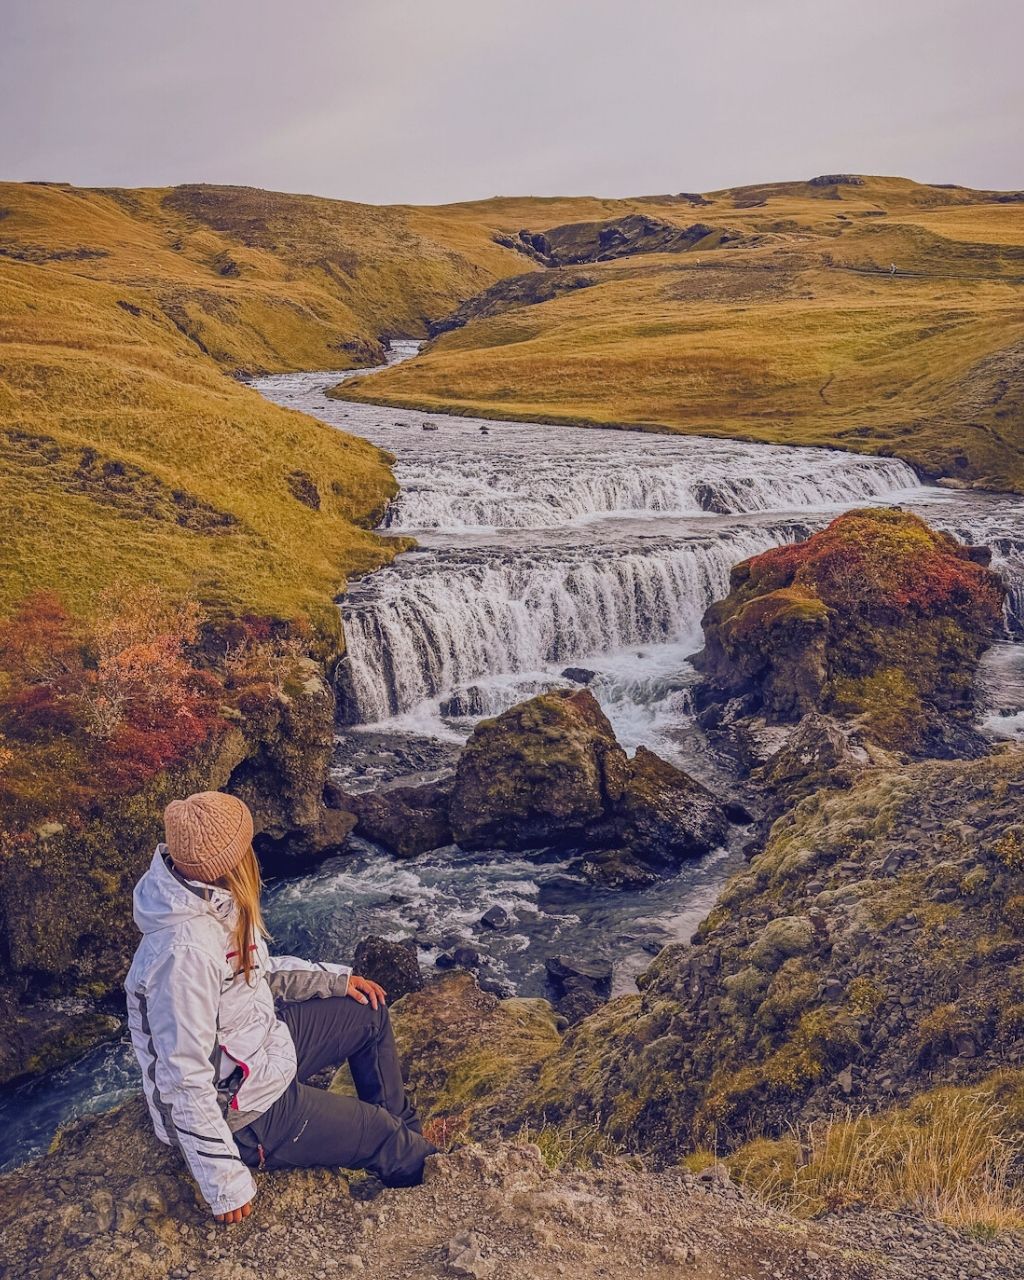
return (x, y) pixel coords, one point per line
(435, 100)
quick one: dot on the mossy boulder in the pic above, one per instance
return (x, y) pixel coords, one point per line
(536, 775)
(550, 773)
(877, 618)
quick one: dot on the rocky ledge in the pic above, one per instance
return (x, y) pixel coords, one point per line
(110, 1203)
(66, 933)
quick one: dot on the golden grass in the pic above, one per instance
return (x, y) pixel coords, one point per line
(84, 379)
(119, 312)
(952, 1154)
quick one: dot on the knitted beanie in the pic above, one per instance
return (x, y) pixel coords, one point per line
(207, 834)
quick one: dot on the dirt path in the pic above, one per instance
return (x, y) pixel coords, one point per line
(110, 1204)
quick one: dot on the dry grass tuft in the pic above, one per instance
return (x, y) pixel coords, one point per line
(951, 1155)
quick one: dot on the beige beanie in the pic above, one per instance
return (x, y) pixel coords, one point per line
(207, 834)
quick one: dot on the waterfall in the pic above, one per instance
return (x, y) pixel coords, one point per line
(547, 546)
(439, 620)
(468, 489)
(1008, 562)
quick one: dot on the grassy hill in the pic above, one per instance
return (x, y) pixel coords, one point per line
(127, 455)
(766, 312)
(763, 312)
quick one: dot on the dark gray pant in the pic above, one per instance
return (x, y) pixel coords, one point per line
(309, 1127)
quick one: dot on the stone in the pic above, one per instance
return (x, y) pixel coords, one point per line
(579, 675)
(393, 964)
(495, 918)
(550, 773)
(877, 617)
(662, 815)
(463, 703)
(597, 972)
(405, 820)
(617, 869)
(580, 986)
(533, 776)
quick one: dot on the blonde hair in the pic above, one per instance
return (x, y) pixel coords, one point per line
(245, 884)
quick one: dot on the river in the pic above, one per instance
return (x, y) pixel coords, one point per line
(542, 548)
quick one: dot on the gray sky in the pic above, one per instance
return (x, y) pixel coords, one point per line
(394, 100)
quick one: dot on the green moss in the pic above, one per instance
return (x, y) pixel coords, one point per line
(792, 990)
(1009, 848)
(864, 995)
(889, 702)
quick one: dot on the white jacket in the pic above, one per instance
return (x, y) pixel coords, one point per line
(213, 1053)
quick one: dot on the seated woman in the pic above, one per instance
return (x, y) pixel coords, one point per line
(225, 1033)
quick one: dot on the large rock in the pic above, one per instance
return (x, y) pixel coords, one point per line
(536, 775)
(661, 814)
(549, 773)
(877, 618)
(282, 777)
(393, 964)
(405, 820)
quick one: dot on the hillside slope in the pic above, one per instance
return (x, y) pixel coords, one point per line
(763, 312)
(128, 456)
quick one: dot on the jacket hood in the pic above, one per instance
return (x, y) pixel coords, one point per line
(163, 897)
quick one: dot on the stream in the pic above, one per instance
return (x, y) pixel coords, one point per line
(541, 548)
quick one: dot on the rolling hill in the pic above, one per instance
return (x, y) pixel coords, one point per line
(770, 313)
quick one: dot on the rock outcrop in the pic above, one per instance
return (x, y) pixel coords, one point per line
(518, 291)
(550, 773)
(635, 233)
(874, 950)
(66, 931)
(472, 1057)
(878, 619)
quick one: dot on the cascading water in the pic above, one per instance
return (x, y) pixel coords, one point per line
(674, 476)
(544, 546)
(440, 620)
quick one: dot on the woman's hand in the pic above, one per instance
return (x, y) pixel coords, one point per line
(365, 991)
(235, 1215)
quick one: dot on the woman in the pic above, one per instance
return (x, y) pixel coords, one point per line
(225, 1033)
